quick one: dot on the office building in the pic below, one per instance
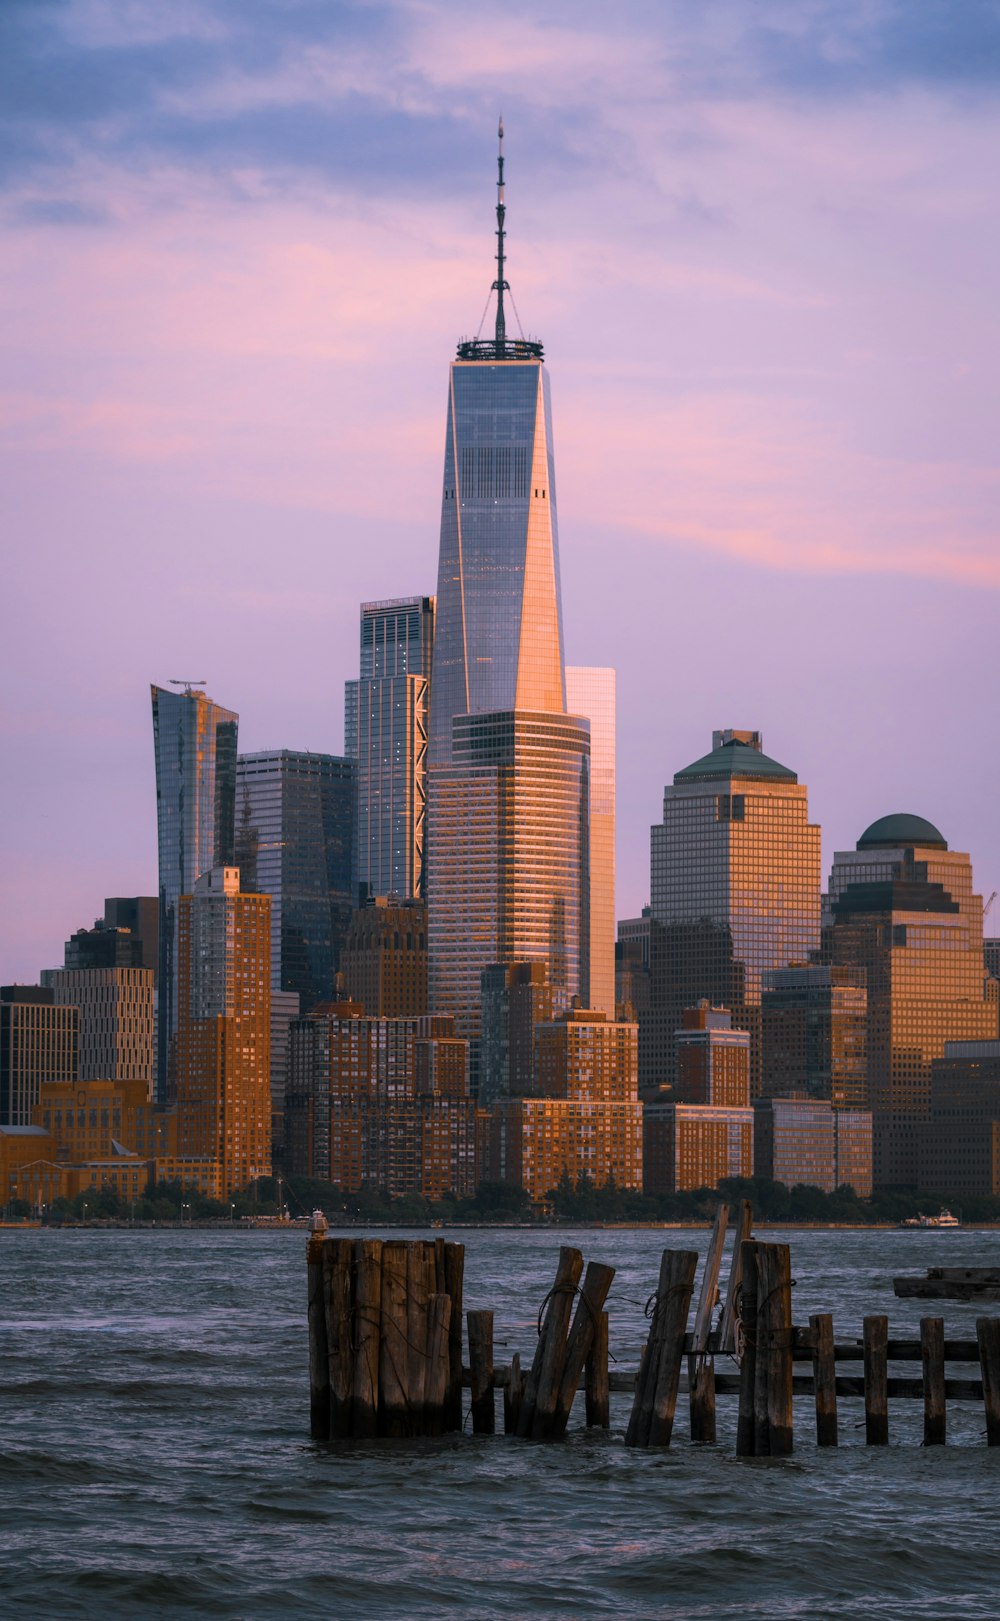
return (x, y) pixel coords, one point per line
(688, 1146)
(713, 1059)
(384, 958)
(901, 907)
(195, 746)
(92, 1120)
(959, 1145)
(116, 1028)
(100, 947)
(508, 816)
(735, 891)
(632, 972)
(590, 692)
(224, 1028)
(799, 1141)
(39, 1042)
(140, 915)
(814, 1024)
(386, 719)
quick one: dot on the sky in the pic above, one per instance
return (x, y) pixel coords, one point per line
(759, 241)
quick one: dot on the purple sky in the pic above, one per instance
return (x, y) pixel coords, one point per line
(759, 241)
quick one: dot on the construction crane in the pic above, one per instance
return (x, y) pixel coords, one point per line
(989, 903)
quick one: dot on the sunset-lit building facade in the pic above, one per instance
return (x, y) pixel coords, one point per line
(815, 1034)
(713, 1059)
(735, 891)
(902, 908)
(117, 1021)
(386, 719)
(39, 1042)
(224, 1028)
(384, 960)
(590, 692)
(195, 744)
(687, 1146)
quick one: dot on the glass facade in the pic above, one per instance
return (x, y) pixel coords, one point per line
(815, 1041)
(735, 891)
(498, 641)
(195, 747)
(509, 836)
(386, 718)
(295, 837)
(590, 692)
(906, 914)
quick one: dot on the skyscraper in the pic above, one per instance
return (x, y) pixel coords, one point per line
(295, 842)
(39, 1042)
(224, 1028)
(386, 717)
(508, 790)
(902, 908)
(735, 890)
(590, 692)
(195, 746)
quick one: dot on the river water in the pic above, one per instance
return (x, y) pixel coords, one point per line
(155, 1460)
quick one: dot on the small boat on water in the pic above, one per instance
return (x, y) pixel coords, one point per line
(945, 1219)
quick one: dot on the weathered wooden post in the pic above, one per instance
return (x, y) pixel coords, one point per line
(454, 1270)
(589, 1308)
(542, 1384)
(393, 1390)
(596, 1385)
(367, 1326)
(438, 1364)
(773, 1388)
(655, 1401)
(824, 1379)
(421, 1277)
(876, 1342)
(319, 1359)
(701, 1365)
(337, 1301)
(932, 1361)
(742, 1235)
(747, 1348)
(480, 1324)
(988, 1335)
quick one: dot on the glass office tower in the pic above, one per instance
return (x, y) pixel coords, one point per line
(735, 890)
(295, 842)
(590, 692)
(195, 747)
(386, 717)
(509, 780)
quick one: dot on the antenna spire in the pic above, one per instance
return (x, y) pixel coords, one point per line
(500, 286)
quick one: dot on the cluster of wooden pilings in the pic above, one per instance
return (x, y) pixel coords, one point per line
(385, 1339)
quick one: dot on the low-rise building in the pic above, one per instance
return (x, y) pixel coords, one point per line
(687, 1146)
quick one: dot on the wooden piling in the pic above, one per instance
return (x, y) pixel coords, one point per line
(319, 1359)
(337, 1253)
(637, 1425)
(742, 1235)
(480, 1326)
(438, 1364)
(773, 1373)
(513, 1394)
(367, 1322)
(596, 1387)
(701, 1365)
(876, 1337)
(393, 1364)
(421, 1278)
(589, 1308)
(824, 1379)
(747, 1348)
(454, 1270)
(542, 1384)
(988, 1337)
(675, 1316)
(932, 1361)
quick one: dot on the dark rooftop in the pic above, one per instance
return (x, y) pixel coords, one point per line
(735, 759)
(892, 832)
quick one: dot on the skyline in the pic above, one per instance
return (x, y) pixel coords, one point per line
(231, 339)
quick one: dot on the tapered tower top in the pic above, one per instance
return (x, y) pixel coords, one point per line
(500, 347)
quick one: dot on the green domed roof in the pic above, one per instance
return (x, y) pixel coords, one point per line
(895, 831)
(735, 760)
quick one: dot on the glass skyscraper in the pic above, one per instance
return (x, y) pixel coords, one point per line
(195, 747)
(386, 717)
(590, 692)
(735, 891)
(294, 842)
(509, 782)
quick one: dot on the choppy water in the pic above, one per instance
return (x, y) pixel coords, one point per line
(155, 1461)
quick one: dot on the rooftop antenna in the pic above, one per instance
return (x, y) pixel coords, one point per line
(188, 686)
(500, 286)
